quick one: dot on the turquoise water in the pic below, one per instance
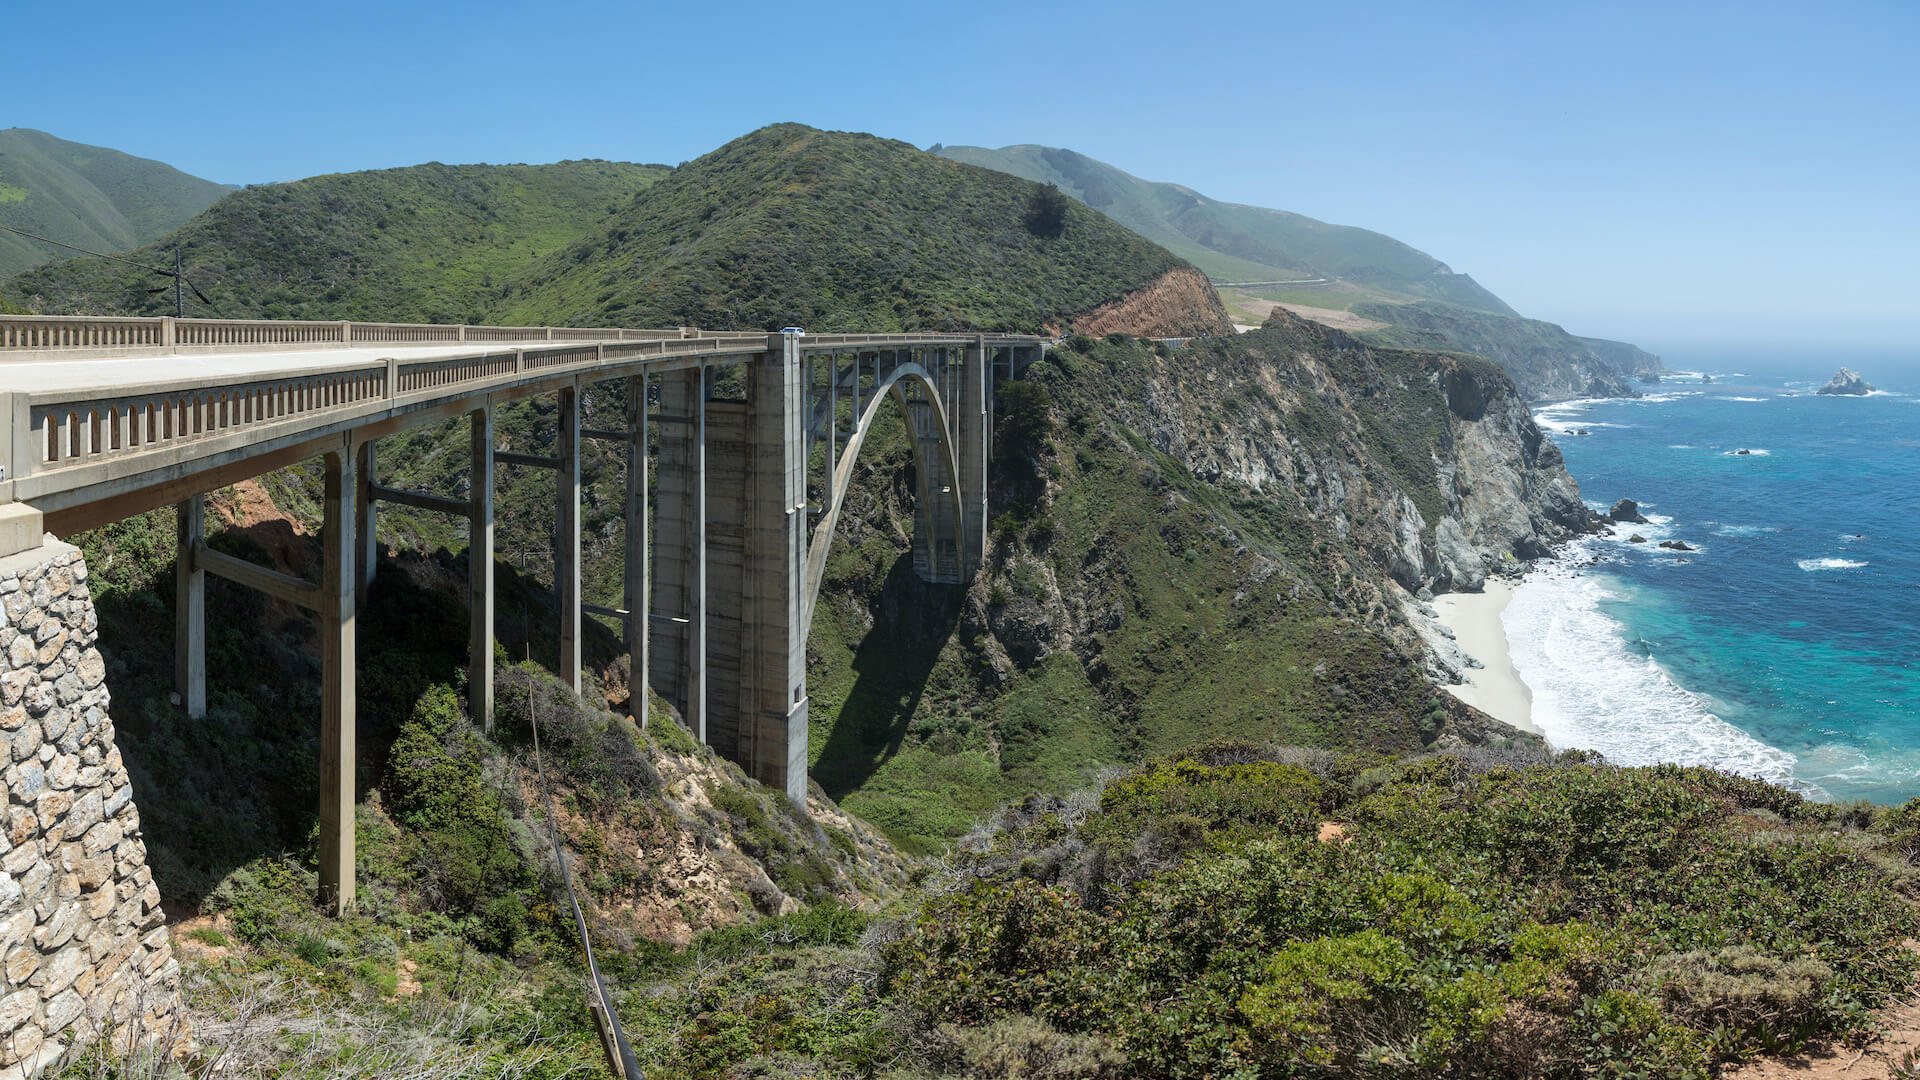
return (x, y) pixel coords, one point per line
(1784, 647)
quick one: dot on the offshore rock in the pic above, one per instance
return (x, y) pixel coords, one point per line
(1627, 510)
(1846, 382)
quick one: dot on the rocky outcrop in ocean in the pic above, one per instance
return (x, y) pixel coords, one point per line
(1846, 382)
(1627, 510)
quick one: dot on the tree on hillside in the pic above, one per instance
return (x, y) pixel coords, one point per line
(1046, 211)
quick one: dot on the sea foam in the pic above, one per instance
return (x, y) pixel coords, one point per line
(1593, 690)
(1830, 563)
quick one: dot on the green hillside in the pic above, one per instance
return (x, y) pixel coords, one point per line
(428, 243)
(791, 225)
(1234, 242)
(87, 196)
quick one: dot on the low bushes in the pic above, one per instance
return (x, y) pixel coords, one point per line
(1570, 919)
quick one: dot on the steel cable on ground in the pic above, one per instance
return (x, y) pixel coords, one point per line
(628, 1063)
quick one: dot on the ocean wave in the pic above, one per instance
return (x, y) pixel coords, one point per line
(1830, 563)
(1592, 690)
(1560, 425)
(1748, 399)
(1681, 446)
(1744, 530)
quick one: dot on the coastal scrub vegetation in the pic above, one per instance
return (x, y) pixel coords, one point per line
(1243, 910)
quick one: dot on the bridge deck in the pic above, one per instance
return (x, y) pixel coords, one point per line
(100, 419)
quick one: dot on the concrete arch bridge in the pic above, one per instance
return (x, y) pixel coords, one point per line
(104, 418)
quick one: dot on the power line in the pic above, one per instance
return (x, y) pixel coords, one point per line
(179, 276)
(83, 251)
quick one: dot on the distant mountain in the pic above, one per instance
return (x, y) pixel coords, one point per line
(1233, 242)
(427, 243)
(87, 196)
(792, 225)
(1350, 278)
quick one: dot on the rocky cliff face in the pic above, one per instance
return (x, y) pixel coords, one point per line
(1179, 303)
(1430, 462)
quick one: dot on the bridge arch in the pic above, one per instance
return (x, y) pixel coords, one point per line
(938, 501)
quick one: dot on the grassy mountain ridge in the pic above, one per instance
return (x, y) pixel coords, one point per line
(1232, 241)
(1424, 304)
(792, 225)
(88, 196)
(426, 243)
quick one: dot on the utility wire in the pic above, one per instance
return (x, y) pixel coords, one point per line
(628, 1064)
(179, 277)
(84, 251)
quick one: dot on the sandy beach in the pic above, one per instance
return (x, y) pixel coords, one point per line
(1495, 689)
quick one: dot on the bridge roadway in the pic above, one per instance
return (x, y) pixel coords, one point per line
(101, 419)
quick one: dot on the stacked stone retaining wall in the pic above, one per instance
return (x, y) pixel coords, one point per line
(83, 942)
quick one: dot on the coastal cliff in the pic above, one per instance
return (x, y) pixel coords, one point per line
(1431, 462)
(1546, 363)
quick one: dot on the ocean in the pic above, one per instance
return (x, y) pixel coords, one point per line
(1784, 645)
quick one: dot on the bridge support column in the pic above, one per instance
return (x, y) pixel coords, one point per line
(976, 435)
(363, 525)
(337, 720)
(566, 536)
(938, 549)
(678, 590)
(638, 591)
(480, 572)
(190, 608)
(773, 647)
(729, 557)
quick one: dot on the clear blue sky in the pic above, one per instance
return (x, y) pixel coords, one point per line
(1670, 173)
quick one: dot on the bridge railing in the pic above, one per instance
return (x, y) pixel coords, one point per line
(43, 332)
(58, 429)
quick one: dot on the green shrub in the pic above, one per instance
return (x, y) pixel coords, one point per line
(207, 935)
(1768, 1000)
(459, 842)
(1901, 826)
(1323, 1001)
(1562, 920)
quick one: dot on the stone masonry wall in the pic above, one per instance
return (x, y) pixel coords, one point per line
(83, 943)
